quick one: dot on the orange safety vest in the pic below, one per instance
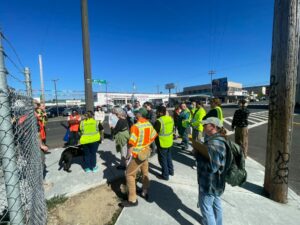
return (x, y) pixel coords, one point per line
(142, 134)
(74, 126)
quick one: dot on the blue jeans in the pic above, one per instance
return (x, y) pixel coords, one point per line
(89, 156)
(185, 137)
(165, 161)
(211, 209)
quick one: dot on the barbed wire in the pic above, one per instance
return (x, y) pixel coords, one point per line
(13, 49)
(14, 64)
(15, 77)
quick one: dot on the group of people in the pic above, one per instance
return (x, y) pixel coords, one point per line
(139, 130)
(206, 128)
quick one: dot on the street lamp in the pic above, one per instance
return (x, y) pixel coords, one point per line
(54, 81)
(211, 72)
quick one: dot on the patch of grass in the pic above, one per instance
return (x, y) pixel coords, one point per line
(115, 217)
(56, 200)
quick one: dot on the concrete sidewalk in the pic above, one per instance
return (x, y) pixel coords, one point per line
(175, 201)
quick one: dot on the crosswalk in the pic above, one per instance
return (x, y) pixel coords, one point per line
(255, 119)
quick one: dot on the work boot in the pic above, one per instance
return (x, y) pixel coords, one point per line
(128, 204)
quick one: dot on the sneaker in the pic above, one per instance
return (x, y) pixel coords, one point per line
(128, 204)
(87, 170)
(95, 169)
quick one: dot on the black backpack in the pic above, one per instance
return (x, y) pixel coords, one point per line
(234, 171)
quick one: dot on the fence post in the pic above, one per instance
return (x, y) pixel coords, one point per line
(28, 82)
(7, 150)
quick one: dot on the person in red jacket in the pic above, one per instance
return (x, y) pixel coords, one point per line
(74, 123)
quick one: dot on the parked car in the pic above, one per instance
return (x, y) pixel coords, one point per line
(68, 111)
(107, 108)
(52, 112)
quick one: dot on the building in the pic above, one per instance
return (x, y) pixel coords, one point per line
(227, 91)
(259, 91)
(114, 98)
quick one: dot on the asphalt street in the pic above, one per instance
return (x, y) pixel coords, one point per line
(56, 129)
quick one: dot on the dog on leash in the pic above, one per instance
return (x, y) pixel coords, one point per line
(67, 156)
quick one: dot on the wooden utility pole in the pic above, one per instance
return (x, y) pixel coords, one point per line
(89, 100)
(284, 62)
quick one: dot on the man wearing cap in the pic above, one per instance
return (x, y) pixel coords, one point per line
(142, 134)
(74, 123)
(164, 127)
(240, 125)
(210, 165)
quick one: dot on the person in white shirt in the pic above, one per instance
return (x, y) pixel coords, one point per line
(112, 121)
(99, 117)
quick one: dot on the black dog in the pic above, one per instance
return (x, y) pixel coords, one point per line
(67, 156)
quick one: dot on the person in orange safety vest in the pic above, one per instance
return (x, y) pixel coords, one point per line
(74, 123)
(142, 134)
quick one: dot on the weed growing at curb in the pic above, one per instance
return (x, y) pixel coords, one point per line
(56, 200)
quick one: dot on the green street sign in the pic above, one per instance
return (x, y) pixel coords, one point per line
(99, 81)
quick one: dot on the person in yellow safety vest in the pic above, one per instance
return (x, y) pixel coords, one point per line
(184, 125)
(164, 126)
(196, 121)
(89, 140)
(193, 108)
(216, 110)
(142, 134)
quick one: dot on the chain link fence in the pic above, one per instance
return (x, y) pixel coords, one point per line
(22, 199)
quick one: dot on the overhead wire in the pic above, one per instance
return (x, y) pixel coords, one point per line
(13, 49)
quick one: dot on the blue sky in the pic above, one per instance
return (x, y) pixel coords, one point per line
(148, 43)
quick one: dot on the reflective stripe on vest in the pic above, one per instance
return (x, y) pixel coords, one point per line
(165, 135)
(141, 138)
(90, 131)
(220, 113)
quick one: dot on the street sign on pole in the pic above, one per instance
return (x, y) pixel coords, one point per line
(95, 81)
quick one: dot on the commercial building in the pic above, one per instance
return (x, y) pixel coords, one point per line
(114, 98)
(227, 91)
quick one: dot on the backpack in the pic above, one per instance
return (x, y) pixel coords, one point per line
(234, 170)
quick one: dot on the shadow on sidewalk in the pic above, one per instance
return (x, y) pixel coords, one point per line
(256, 189)
(110, 162)
(180, 156)
(168, 201)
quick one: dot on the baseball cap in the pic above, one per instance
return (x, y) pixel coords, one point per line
(213, 120)
(142, 111)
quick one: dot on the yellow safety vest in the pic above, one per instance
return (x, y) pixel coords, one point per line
(196, 121)
(165, 135)
(90, 131)
(220, 113)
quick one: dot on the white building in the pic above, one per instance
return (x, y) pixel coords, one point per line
(111, 98)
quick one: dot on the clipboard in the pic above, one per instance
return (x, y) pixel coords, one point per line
(200, 148)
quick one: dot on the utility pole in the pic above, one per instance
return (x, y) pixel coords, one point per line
(89, 101)
(211, 73)
(54, 81)
(42, 80)
(28, 82)
(284, 62)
